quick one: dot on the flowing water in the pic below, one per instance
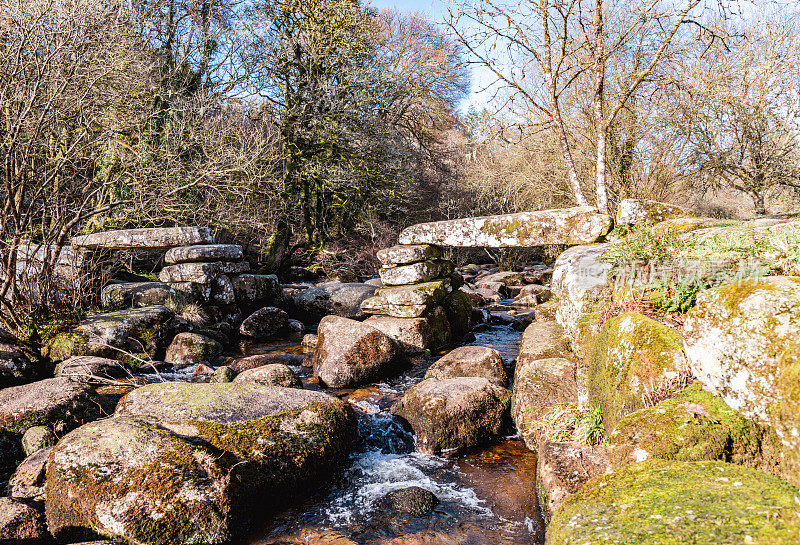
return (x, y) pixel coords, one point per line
(487, 497)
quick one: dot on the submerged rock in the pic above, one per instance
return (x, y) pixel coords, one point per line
(705, 503)
(453, 415)
(470, 361)
(579, 225)
(350, 353)
(194, 463)
(413, 500)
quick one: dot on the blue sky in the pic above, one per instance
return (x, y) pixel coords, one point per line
(428, 7)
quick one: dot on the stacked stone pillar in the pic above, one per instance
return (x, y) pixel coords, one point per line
(419, 304)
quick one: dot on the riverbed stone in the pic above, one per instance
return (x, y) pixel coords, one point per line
(21, 524)
(582, 284)
(542, 340)
(333, 299)
(201, 273)
(204, 458)
(204, 253)
(275, 374)
(540, 386)
(191, 349)
(429, 332)
(123, 294)
(28, 481)
(570, 226)
(470, 361)
(240, 365)
(253, 291)
(37, 438)
(406, 254)
(157, 238)
(458, 308)
(742, 341)
(657, 501)
(413, 500)
(632, 358)
(92, 368)
(350, 353)
(562, 468)
(647, 212)
(453, 415)
(265, 323)
(415, 273)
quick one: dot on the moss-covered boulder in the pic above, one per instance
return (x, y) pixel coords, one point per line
(694, 425)
(542, 340)
(61, 404)
(349, 353)
(632, 358)
(743, 341)
(414, 500)
(470, 361)
(663, 502)
(453, 415)
(191, 349)
(582, 284)
(540, 386)
(429, 332)
(194, 463)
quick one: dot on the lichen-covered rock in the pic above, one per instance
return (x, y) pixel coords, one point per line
(429, 332)
(204, 252)
(239, 365)
(632, 357)
(334, 299)
(194, 463)
(145, 330)
(201, 273)
(458, 308)
(59, 403)
(275, 374)
(542, 340)
(122, 295)
(92, 368)
(406, 254)
(265, 323)
(222, 291)
(36, 438)
(582, 283)
(470, 361)
(562, 469)
(349, 353)
(539, 386)
(580, 225)
(223, 373)
(415, 273)
(661, 502)
(743, 341)
(28, 481)
(646, 212)
(413, 301)
(453, 415)
(158, 238)
(694, 425)
(191, 349)
(253, 291)
(21, 524)
(413, 500)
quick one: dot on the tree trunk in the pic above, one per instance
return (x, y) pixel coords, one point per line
(758, 202)
(599, 107)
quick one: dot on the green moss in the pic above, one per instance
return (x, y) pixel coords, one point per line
(662, 503)
(630, 358)
(65, 345)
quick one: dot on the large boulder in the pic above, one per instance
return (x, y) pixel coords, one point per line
(142, 331)
(743, 341)
(429, 332)
(194, 463)
(470, 361)
(59, 403)
(349, 353)
(704, 503)
(158, 238)
(582, 284)
(453, 415)
(646, 212)
(265, 323)
(634, 361)
(21, 524)
(542, 340)
(92, 368)
(580, 225)
(333, 299)
(205, 253)
(253, 291)
(458, 307)
(562, 468)
(539, 387)
(191, 349)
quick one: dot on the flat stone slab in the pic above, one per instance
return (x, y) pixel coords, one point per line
(159, 238)
(570, 226)
(416, 273)
(204, 253)
(201, 273)
(406, 254)
(428, 293)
